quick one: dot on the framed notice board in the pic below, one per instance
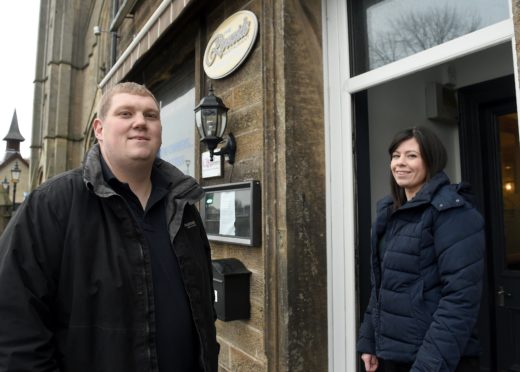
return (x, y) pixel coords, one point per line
(232, 213)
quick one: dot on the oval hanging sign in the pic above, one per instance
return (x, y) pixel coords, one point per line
(230, 44)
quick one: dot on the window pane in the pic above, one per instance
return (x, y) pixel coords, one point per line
(177, 99)
(510, 169)
(214, 205)
(388, 30)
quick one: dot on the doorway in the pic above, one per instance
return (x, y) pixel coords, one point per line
(490, 161)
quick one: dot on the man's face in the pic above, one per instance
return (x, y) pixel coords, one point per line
(131, 130)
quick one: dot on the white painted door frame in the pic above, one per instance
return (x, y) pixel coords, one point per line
(340, 178)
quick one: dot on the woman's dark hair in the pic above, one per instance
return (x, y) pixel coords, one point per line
(432, 151)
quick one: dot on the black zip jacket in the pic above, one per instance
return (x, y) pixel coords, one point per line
(76, 289)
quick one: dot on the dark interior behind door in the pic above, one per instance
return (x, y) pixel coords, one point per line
(490, 154)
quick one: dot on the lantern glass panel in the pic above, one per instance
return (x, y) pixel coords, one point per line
(15, 173)
(211, 122)
(223, 122)
(198, 121)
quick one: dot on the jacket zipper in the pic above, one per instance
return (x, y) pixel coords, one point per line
(145, 285)
(147, 307)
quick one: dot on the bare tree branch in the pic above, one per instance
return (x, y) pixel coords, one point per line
(417, 30)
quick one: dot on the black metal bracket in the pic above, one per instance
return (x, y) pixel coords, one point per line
(229, 149)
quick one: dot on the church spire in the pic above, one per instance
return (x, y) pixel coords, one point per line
(13, 138)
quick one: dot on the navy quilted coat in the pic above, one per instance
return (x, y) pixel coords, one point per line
(426, 287)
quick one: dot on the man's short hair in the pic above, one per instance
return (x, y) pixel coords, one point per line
(127, 87)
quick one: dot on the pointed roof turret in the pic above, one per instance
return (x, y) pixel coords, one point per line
(14, 132)
(13, 138)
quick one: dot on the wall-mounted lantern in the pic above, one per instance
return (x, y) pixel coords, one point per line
(211, 121)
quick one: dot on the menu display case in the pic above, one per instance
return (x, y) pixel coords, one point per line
(232, 213)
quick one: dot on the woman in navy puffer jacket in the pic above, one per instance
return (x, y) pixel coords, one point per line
(427, 266)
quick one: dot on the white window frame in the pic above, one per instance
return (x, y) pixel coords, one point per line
(478, 40)
(340, 178)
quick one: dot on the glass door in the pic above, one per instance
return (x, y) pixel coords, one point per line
(507, 255)
(491, 163)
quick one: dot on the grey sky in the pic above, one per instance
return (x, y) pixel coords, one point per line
(18, 33)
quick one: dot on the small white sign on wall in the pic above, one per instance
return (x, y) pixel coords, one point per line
(211, 168)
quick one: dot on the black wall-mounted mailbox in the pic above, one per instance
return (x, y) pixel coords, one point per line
(231, 284)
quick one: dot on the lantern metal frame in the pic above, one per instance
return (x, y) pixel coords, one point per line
(211, 122)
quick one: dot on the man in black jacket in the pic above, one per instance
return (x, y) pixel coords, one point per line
(107, 267)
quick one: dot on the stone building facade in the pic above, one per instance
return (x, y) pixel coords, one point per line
(312, 109)
(275, 112)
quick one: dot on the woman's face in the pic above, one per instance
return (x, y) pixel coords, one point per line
(408, 168)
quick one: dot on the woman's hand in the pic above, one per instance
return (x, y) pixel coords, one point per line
(371, 362)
